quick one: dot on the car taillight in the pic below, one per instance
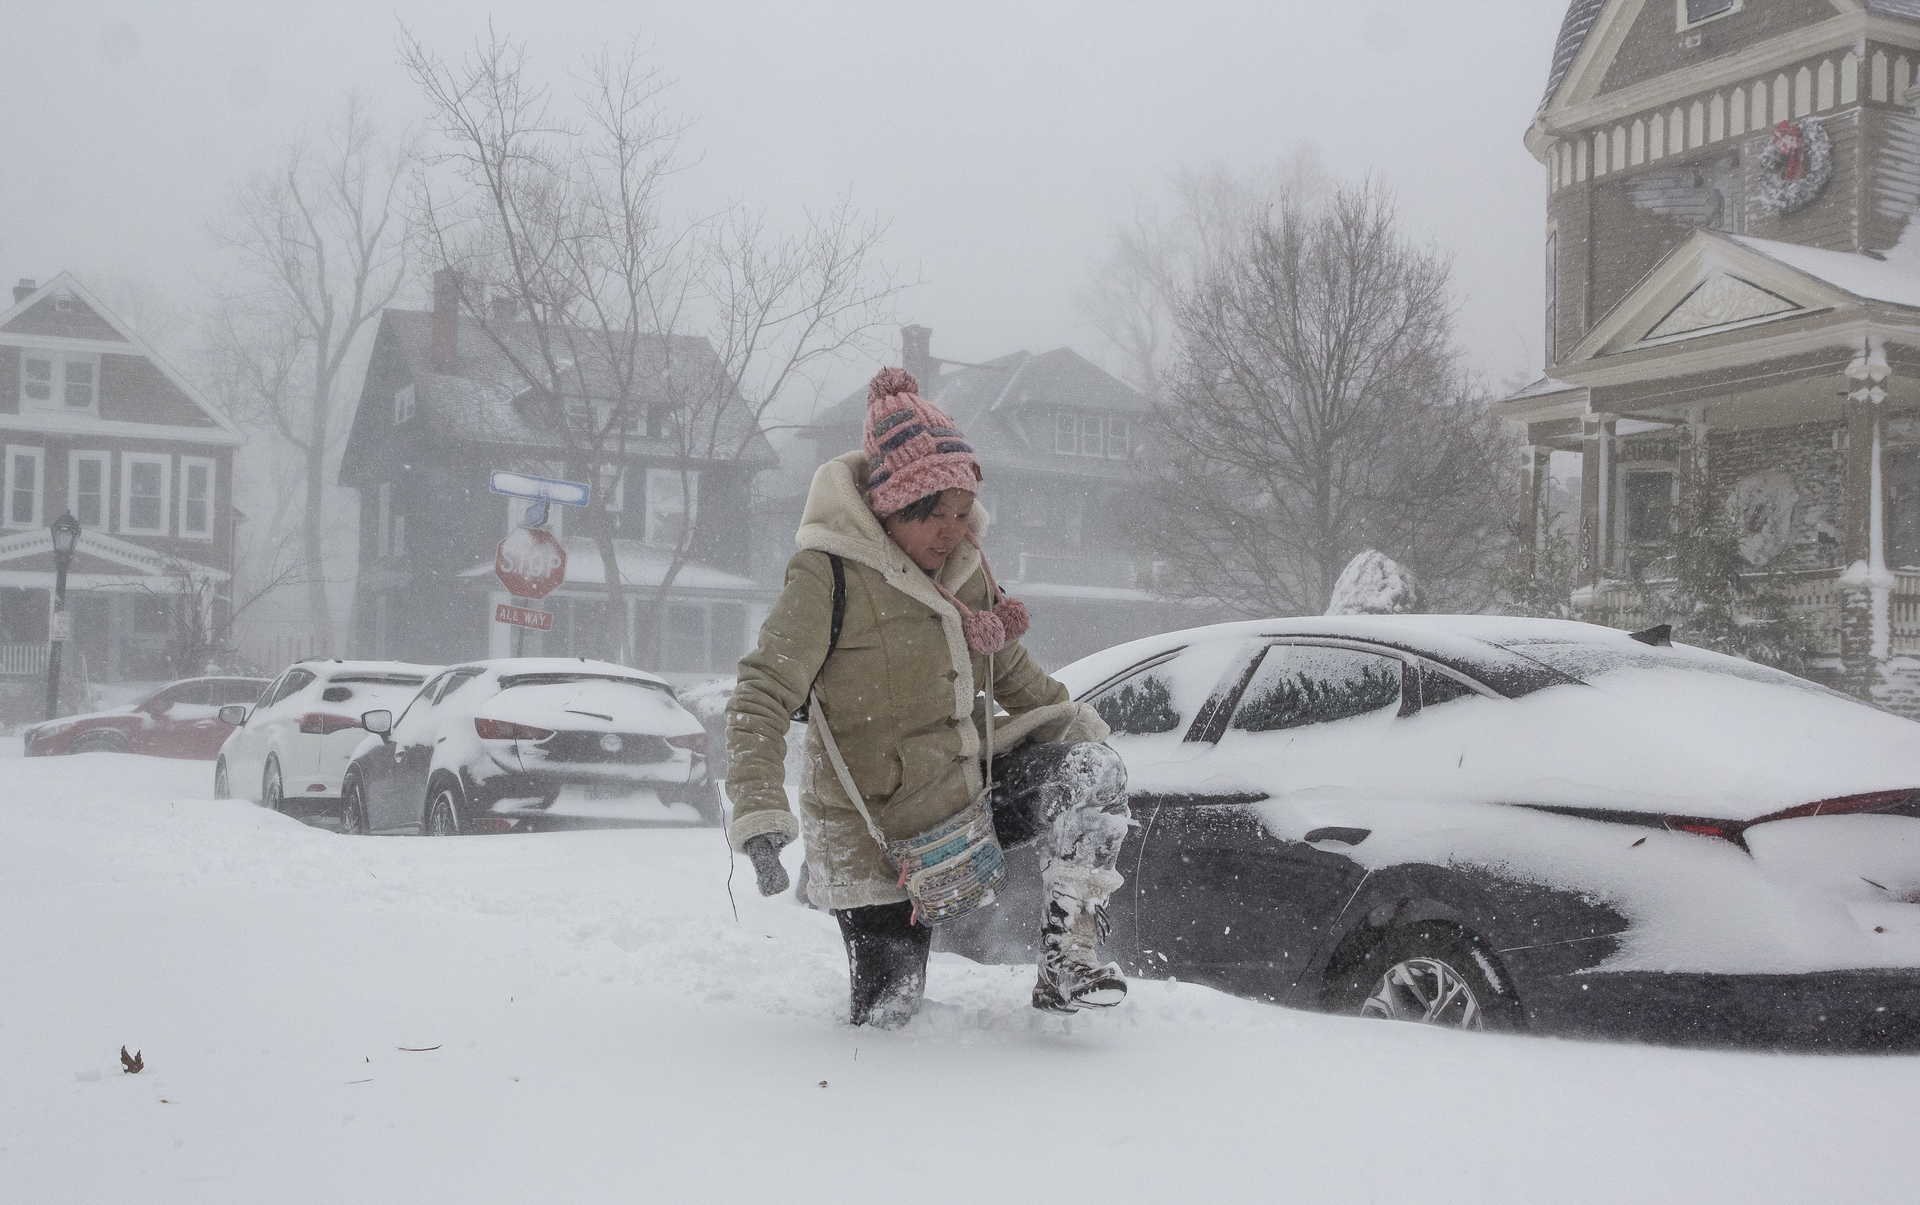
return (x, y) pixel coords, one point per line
(693, 741)
(320, 723)
(1725, 830)
(501, 730)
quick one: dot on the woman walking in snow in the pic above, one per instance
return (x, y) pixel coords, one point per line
(893, 531)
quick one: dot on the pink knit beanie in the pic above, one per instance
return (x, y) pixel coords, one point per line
(913, 448)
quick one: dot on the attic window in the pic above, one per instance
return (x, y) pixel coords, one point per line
(1689, 13)
(63, 304)
(403, 404)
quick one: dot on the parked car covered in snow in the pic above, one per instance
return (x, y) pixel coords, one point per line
(1499, 823)
(530, 743)
(290, 749)
(181, 719)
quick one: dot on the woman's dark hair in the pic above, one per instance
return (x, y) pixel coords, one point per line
(918, 509)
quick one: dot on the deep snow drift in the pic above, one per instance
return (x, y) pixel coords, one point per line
(601, 1028)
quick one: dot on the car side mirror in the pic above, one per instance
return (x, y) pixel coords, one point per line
(234, 714)
(379, 722)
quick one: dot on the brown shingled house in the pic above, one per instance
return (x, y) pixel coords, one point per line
(441, 408)
(1733, 302)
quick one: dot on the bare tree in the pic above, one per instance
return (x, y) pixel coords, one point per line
(1315, 407)
(625, 333)
(1131, 293)
(321, 251)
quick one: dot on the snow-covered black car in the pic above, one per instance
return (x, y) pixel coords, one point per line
(1500, 823)
(530, 743)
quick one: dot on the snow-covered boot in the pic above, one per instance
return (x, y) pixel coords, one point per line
(1072, 975)
(886, 963)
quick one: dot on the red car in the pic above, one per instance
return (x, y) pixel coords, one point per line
(181, 719)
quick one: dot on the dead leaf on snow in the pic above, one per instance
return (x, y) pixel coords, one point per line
(132, 1064)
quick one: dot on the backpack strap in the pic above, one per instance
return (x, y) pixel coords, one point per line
(833, 632)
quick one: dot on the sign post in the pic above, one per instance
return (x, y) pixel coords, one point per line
(531, 562)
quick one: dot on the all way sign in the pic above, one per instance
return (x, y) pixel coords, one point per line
(523, 617)
(519, 485)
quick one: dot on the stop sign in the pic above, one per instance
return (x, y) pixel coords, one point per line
(530, 562)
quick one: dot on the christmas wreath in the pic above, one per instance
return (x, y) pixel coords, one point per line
(1795, 166)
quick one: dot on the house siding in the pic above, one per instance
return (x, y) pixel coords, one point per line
(134, 390)
(1655, 46)
(78, 321)
(1809, 454)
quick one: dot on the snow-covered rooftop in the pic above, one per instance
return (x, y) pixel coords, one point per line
(1866, 276)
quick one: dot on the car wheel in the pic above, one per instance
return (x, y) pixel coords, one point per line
(221, 788)
(353, 808)
(443, 811)
(100, 742)
(1435, 975)
(273, 795)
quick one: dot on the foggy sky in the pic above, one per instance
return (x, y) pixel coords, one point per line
(1004, 141)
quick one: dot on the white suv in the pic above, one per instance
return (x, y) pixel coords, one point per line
(289, 751)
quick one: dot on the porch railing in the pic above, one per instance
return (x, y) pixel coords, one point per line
(1815, 595)
(23, 660)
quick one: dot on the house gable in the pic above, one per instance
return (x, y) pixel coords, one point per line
(140, 394)
(1709, 285)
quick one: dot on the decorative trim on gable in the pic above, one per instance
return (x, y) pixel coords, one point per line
(144, 561)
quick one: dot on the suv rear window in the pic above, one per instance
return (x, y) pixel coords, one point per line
(557, 679)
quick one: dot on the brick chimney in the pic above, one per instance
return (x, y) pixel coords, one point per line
(916, 356)
(445, 348)
(24, 289)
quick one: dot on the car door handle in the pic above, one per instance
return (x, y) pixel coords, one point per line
(1345, 836)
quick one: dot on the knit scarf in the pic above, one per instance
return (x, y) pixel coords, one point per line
(989, 631)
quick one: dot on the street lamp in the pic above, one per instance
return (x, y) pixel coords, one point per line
(66, 533)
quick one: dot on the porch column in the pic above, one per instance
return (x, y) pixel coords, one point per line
(1596, 501)
(1865, 584)
(1534, 466)
(1695, 470)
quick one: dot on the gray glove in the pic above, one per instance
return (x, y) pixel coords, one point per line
(764, 851)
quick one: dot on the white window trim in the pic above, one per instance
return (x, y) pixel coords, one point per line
(673, 488)
(127, 461)
(1104, 426)
(105, 461)
(56, 402)
(1681, 24)
(39, 457)
(404, 404)
(187, 465)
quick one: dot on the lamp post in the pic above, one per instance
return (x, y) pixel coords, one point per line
(66, 533)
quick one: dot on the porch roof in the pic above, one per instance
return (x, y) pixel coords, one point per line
(100, 562)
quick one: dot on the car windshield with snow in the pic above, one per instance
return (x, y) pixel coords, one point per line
(1491, 822)
(530, 743)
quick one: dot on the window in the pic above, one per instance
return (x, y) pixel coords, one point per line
(1689, 13)
(1172, 694)
(672, 499)
(1437, 687)
(1076, 433)
(1902, 470)
(196, 498)
(295, 681)
(403, 407)
(87, 487)
(26, 486)
(143, 493)
(684, 643)
(1647, 496)
(1301, 684)
(1553, 293)
(59, 381)
(382, 508)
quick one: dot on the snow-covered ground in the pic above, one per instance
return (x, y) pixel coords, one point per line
(579, 1017)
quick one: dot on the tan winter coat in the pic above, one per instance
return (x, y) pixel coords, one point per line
(899, 691)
